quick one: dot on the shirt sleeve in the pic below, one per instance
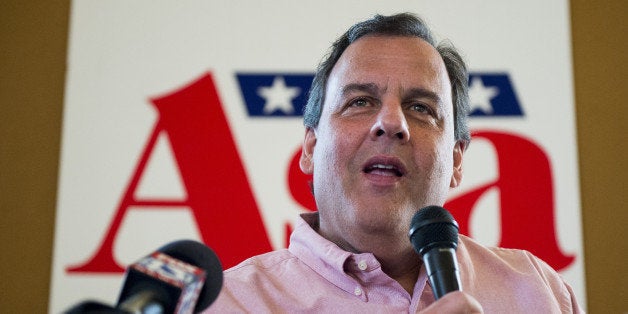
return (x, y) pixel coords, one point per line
(561, 290)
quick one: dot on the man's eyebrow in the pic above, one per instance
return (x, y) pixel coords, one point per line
(423, 93)
(370, 88)
(373, 89)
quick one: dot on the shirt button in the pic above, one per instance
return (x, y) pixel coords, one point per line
(357, 291)
(362, 265)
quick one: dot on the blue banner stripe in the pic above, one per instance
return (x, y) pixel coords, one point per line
(276, 95)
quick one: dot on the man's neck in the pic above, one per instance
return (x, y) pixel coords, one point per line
(404, 270)
(394, 252)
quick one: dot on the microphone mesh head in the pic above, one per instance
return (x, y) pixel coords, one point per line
(433, 226)
(201, 256)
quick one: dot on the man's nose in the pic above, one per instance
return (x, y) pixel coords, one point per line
(391, 122)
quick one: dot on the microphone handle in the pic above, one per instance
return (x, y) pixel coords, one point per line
(442, 270)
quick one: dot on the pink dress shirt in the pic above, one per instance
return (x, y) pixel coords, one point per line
(314, 275)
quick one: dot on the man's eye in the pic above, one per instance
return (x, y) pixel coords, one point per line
(420, 108)
(360, 102)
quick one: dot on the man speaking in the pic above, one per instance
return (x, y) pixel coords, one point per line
(386, 132)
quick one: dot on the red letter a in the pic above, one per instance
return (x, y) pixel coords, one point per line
(218, 191)
(526, 199)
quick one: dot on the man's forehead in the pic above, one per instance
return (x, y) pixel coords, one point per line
(392, 52)
(376, 60)
(412, 45)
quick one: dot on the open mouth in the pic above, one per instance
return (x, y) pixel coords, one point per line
(385, 167)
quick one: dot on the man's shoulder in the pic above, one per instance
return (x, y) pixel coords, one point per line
(490, 269)
(262, 261)
(473, 247)
(515, 259)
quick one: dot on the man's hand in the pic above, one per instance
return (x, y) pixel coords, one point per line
(454, 302)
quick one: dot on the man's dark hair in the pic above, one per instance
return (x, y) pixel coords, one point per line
(404, 24)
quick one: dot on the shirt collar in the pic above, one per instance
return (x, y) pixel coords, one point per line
(344, 269)
(317, 252)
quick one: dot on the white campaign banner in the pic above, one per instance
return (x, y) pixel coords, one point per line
(183, 119)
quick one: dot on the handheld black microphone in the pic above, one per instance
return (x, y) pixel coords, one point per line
(181, 277)
(434, 235)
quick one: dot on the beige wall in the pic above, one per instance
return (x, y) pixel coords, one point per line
(33, 45)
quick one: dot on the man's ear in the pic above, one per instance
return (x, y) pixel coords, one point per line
(456, 177)
(306, 162)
